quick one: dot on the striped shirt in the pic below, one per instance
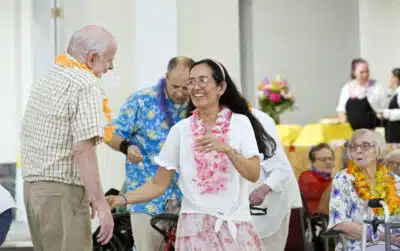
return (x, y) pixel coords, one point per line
(63, 108)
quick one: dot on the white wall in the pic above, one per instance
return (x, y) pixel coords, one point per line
(210, 29)
(309, 42)
(8, 84)
(380, 36)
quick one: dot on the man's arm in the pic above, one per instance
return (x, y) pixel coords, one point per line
(85, 158)
(115, 142)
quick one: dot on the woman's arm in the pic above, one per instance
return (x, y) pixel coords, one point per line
(351, 230)
(147, 192)
(249, 168)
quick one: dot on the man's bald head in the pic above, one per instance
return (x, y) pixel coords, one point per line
(177, 77)
(94, 46)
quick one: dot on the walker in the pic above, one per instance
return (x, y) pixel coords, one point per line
(388, 224)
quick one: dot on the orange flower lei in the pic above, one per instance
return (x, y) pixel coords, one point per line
(385, 187)
(66, 61)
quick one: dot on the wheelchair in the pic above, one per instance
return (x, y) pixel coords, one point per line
(122, 239)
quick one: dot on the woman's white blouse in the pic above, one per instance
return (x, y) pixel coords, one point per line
(230, 205)
(375, 94)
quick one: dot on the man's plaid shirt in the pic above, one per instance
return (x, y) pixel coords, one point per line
(64, 108)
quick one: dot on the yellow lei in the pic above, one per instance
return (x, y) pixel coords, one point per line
(385, 187)
(64, 60)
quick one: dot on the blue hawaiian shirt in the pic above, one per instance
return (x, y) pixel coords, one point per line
(142, 122)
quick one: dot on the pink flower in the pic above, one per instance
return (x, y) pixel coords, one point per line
(274, 97)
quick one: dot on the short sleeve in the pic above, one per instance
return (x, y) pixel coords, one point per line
(125, 124)
(85, 122)
(248, 144)
(344, 96)
(340, 200)
(169, 155)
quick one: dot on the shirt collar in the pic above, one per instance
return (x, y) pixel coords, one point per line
(326, 176)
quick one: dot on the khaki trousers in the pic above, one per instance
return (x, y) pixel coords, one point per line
(146, 237)
(277, 241)
(58, 216)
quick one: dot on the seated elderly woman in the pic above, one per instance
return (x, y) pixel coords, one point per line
(393, 162)
(315, 181)
(364, 178)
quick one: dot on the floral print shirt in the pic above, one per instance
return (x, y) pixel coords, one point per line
(143, 122)
(346, 206)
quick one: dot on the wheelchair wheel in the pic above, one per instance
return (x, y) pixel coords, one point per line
(115, 244)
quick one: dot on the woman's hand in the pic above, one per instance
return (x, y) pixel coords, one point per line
(115, 201)
(210, 143)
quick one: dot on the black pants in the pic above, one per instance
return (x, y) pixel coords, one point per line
(5, 223)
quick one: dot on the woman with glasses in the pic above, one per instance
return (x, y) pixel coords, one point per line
(216, 152)
(392, 113)
(366, 177)
(314, 181)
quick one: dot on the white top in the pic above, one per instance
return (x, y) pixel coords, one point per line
(230, 205)
(393, 114)
(278, 174)
(6, 200)
(374, 92)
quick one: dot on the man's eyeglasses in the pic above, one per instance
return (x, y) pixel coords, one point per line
(364, 146)
(201, 81)
(325, 159)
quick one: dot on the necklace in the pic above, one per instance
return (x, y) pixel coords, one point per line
(67, 61)
(385, 187)
(212, 167)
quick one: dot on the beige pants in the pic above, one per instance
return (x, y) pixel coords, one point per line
(146, 237)
(58, 216)
(277, 241)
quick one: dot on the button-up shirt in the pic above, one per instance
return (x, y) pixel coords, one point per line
(143, 122)
(64, 108)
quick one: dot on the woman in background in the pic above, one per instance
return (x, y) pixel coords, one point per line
(216, 152)
(361, 98)
(392, 113)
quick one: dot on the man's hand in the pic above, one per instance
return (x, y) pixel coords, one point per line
(134, 154)
(106, 223)
(258, 195)
(114, 201)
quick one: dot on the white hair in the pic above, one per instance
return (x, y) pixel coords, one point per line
(392, 154)
(378, 141)
(87, 40)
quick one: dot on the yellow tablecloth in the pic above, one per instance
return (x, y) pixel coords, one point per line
(318, 133)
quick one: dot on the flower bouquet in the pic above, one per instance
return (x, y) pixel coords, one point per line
(275, 98)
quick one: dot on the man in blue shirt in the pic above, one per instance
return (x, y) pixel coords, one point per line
(141, 129)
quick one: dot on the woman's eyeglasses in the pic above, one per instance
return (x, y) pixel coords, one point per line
(201, 81)
(364, 146)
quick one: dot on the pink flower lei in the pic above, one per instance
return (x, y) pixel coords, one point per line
(212, 167)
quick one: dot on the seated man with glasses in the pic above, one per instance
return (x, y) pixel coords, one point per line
(315, 181)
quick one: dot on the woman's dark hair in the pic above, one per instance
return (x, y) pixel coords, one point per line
(354, 64)
(317, 148)
(396, 73)
(237, 104)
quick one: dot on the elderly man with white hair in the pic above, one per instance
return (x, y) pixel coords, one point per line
(277, 190)
(60, 131)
